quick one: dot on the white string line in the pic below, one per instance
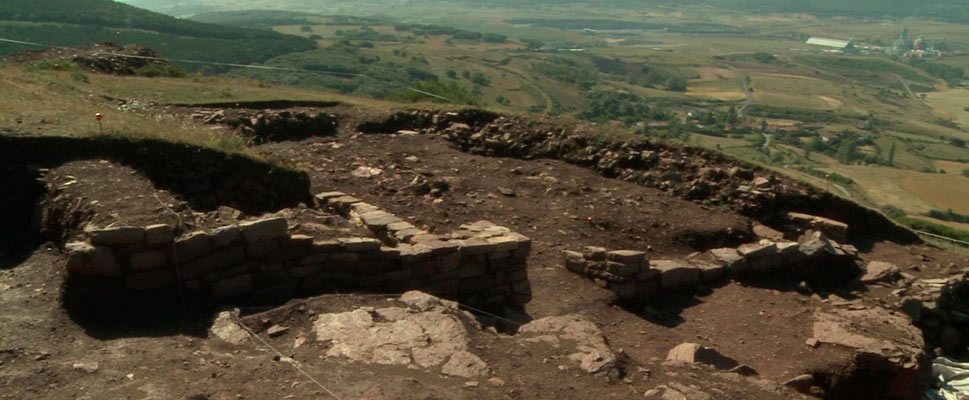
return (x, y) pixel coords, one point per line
(249, 66)
(295, 363)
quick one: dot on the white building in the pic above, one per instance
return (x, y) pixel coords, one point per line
(832, 43)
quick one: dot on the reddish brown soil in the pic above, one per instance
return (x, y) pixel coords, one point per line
(560, 206)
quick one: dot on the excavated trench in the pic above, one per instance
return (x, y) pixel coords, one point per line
(21, 203)
(700, 176)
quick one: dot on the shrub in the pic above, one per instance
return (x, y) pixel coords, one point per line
(160, 70)
(965, 173)
(80, 77)
(893, 212)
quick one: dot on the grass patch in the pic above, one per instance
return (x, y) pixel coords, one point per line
(934, 228)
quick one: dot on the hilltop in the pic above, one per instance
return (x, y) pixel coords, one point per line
(580, 253)
(69, 23)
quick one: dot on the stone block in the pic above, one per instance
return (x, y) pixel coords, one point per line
(312, 259)
(477, 284)
(711, 273)
(328, 281)
(676, 274)
(594, 253)
(476, 246)
(521, 287)
(345, 258)
(440, 247)
(368, 280)
(397, 276)
(574, 261)
(262, 279)
(264, 229)
(120, 236)
(321, 199)
(729, 258)
(363, 208)
(190, 247)
(789, 253)
(358, 244)
(649, 284)
(326, 246)
(156, 235)
(622, 269)
(378, 219)
(219, 259)
(303, 271)
(761, 249)
(399, 226)
(472, 270)
(261, 249)
(626, 290)
(223, 273)
(151, 280)
(226, 236)
(503, 243)
(148, 260)
(407, 235)
(695, 353)
(834, 229)
(85, 259)
(232, 287)
(629, 257)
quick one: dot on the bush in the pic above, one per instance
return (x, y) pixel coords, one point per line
(452, 91)
(676, 84)
(480, 79)
(965, 173)
(160, 70)
(949, 215)
(893, 212)
(80, 77)
(494, 38)
(936, 229)
(53, 65)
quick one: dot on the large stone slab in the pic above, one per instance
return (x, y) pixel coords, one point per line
(676, 274)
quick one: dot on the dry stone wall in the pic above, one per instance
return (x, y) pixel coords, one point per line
(635, 278)
(261, 262)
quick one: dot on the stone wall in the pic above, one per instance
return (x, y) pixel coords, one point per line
(260, 262)
(635, 278)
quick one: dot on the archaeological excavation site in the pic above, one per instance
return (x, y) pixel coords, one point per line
(450, 254)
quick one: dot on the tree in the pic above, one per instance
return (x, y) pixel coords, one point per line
(452, 74)
(891, 154)
(965, 173)
(676, 84)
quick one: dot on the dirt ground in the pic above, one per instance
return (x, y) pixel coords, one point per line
(47, 353)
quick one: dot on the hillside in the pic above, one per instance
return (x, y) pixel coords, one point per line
(944, 10)
(69, 23)
(270, 241)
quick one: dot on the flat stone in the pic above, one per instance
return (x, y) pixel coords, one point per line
(766, 232)
(465, 365)
(594, 253)
(151, 280)
(630, 257)
(159, 234)
(217, 260)
(755, 250)
(360, 244)
(85, 259)
(264, 229)
(276, 331)
(676, 274)
(233, 287)
(730, 258)
(695, 353)
(879, 271)
(121, 236)
(190, 247)
(225, 328)
(148, 260)
(226, 236)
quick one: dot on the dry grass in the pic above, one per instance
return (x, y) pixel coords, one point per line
(63, 103)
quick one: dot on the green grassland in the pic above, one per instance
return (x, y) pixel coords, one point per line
(618, 65)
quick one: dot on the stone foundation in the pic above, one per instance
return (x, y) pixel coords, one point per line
(635, 278)
(261, 262)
